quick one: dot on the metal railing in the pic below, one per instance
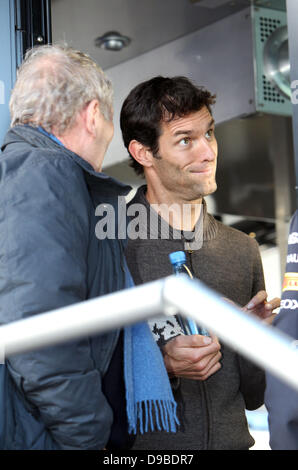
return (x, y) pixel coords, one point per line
(259, 342)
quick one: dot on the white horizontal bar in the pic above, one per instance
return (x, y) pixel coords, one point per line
(261, 343)
(82, 319)
(244, 332)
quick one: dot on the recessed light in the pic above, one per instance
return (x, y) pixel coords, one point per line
(112, 41)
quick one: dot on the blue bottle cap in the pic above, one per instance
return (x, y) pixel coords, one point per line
(177, 257)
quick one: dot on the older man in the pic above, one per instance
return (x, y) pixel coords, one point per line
(168, 129)
(73, 395)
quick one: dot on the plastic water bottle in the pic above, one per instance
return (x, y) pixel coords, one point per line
(188, 325)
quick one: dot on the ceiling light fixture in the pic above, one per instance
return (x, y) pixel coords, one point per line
(112, 41)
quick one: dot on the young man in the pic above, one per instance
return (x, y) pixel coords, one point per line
(168, 129)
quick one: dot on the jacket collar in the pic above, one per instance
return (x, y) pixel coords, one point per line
(35, 138)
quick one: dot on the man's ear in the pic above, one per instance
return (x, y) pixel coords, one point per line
(92, 114)
(140, 153)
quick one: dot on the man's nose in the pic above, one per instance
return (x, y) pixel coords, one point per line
(206, 151)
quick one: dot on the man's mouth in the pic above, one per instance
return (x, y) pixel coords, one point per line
(204, 170)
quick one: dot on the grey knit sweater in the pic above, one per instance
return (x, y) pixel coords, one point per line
(211, 413)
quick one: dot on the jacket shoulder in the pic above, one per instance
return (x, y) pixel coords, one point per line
(16, 164)
(40, 174)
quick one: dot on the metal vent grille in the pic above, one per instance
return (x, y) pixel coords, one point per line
(269, 98)
(266, 27)
(270, 93)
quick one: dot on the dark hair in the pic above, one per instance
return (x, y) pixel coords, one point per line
(156, 100)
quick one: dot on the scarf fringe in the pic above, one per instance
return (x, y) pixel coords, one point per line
(148, 412)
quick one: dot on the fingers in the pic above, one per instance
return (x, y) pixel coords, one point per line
(273, 304)
(192, 348)
(259, 306)
(204, 367)
(191, 357)
(210, 372)
(196, 371)
(258, 299)
(189, 341)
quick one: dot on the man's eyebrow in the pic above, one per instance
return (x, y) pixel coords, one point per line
(189, 132)
(182, 132)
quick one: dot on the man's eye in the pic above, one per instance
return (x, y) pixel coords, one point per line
(210, 133)
(185, 141)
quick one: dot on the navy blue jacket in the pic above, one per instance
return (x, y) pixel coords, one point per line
(49, 258)
(280, 399)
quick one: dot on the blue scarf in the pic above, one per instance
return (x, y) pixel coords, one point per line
(149, 400)
(150, 404)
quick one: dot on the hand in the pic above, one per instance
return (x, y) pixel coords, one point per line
(193, 357)
(259, 306)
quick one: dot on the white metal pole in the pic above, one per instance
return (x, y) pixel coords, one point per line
(82, 319)
(262, 343)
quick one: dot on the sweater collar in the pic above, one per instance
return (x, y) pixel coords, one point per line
(209, 227)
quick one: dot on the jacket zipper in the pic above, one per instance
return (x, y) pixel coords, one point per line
(207, 414)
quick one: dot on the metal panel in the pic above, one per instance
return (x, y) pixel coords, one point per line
(8, 61)
(274, 4)
(22, 25)
(33, 25)
(269, 100)
(255, 168)
(149, 23)
(215, 3)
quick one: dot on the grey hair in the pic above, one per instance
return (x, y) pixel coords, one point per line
(53, 84)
